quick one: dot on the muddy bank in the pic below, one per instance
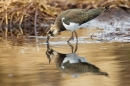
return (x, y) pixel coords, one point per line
(112, 18)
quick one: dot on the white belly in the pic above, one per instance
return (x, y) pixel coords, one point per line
(73, 58)
(72, 26)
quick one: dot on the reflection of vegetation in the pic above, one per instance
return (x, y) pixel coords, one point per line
(23, 14)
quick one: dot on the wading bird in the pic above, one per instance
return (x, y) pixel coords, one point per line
(71, 63)
(72, 20)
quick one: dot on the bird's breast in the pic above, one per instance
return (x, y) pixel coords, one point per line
(72, 25)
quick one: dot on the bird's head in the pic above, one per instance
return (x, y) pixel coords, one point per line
(53, 31)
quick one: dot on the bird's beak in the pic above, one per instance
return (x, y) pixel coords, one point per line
(48, 37)
(47, 40)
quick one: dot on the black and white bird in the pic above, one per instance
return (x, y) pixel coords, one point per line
(71, 63)
(72, 20)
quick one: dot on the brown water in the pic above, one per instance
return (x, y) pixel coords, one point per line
(28, 65)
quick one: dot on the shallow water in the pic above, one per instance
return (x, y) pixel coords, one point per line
(100, 64)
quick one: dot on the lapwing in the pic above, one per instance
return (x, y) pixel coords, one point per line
(72, 20)
(71, 63)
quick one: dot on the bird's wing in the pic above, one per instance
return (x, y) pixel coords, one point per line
(81, 16)
(75, 16)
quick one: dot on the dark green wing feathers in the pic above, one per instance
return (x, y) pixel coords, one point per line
(81, 15)
(78, 16)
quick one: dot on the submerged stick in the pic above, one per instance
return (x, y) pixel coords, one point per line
(20, 22)
(6, 21)
(35, 25)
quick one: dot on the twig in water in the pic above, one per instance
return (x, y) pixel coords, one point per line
(20, 24)
(35, 26)
(6, 21)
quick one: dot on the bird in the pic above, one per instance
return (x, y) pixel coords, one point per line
(71, 63)
(73, 19)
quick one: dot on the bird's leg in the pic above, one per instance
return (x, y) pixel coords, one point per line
(76, 36)
(76, 47)
(72, 48)
(71, 37)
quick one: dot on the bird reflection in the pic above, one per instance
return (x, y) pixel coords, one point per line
(71, 63)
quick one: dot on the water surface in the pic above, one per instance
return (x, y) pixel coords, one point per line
(28, 65)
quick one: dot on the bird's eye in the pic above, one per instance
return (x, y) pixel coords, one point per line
(51, 32)
(50, 52)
